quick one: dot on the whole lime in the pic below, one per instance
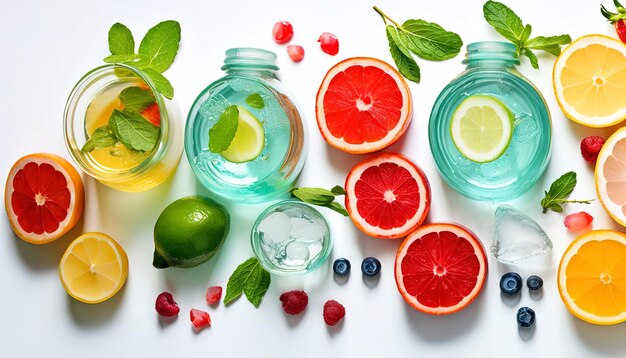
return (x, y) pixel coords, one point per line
(189, 232)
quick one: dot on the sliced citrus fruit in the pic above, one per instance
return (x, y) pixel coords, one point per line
(249, 139)
(481, 128)
(589, 80)
(43, 197)
(363, 105)
(387, 196)
(440, 268)
(610, 176)
(93, 268)
(592, 277)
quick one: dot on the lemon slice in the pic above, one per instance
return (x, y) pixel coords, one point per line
(93, 268)
(481, 128)
(249, 139)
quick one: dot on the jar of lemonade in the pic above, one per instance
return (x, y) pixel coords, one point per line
(120, 130)
(244, 136)
(490, 128)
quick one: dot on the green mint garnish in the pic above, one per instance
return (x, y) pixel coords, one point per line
(134, 131)
(249, 278)
(160, 45)
(161, 83)
(136, 99)
(559, 192)
(255, 101)
(102, 137)
(121, 40)
(321, 197)
(223, 131)
(510, 26)
(426, 40)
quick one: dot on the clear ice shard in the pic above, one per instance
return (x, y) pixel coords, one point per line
(518, 237)
(276, 227)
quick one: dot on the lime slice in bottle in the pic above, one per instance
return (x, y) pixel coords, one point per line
(249, 139)
(481, 128)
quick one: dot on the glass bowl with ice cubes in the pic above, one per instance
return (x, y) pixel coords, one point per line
(291, 237)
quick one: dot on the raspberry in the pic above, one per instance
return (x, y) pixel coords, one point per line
(165, 305)
(213, 294)
(295, 52)
(329, 43)
(282, 32)
(333, 312)
(199, 319)
(294, 302)
(590, 148)
(578, 221)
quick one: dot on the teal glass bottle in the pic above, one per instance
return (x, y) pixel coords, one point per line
(491, 70)
(272, 173)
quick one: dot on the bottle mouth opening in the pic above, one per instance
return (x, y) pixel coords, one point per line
(250, 58)
(491, 51)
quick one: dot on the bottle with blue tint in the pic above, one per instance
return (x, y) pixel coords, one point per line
(491, 73)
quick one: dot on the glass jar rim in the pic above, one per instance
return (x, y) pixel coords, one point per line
(250, 58)
(491, 52)
(68, 120)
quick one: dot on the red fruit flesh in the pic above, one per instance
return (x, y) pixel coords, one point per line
(165, 305)
(282, 32)
(213, 294)
(333, 312)
(577, 221)
(620, 28)
(329, 43)
(152, 114)
(199, 319)
(294, 302)
(295, 52)
(590, 148)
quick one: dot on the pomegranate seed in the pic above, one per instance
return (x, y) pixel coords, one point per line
(329, 43)
(165, 305)
(296, 53)
(282, 32)
(199, 319)
(578, 221)
(213, 294)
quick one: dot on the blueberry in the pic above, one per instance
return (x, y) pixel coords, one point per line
(341, 266)
(510, 283)
(525, 317)
(534, 283)
(370, 266)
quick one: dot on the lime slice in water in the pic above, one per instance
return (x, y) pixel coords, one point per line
(481, 128)
(249, 139)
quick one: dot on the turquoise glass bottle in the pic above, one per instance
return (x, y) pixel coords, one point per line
(491, 70)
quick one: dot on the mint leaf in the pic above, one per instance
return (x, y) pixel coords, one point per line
(223, 131)
(315, 196)
(121, 40)
(551, 44)
(160, 45)
(249, 277)
(338, 190)
(504, 20)
(534, 61)
(335, 206)
(429, 40)
(136, 99)
(559, 192)
(131, 59)
(134, 131)
(102, 137)
(255, 101)
(402, 57)
(160, 83)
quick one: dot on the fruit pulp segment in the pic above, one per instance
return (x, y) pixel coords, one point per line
(440, 269)
(249, 139)
(594, 80)
(362, 104)
(40, 198)
(388, 196)
(614, 172)
(481, 128)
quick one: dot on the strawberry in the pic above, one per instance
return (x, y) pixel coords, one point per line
(199, 319)
(620, 28)
(152, 114)
(616, 18)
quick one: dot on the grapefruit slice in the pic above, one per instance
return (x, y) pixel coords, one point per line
(387, 196)
(610, 176)
(440, 268)
(363, 105)
(43, 197)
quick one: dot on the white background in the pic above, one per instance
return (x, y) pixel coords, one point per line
(47, 46)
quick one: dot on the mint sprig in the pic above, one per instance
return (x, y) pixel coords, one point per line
(250, 279)
(102, 137)
(321, 197)
(558, 193)
(136, 99)
(506, 22)
(426, 40)
(223, 131)
(156, 52)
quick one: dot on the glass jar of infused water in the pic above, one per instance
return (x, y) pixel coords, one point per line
(266, 154)
(490, 128)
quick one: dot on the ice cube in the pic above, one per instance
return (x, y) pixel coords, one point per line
(518, 237)
(297, 251)
(275, 227)
(307, 230)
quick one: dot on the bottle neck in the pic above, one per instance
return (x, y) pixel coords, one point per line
(250, 62)
(491, 54)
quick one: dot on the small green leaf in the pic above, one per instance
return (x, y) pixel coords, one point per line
(257, 284)
(315, 196)
(429, 40)
(338, 190)
(504, 20)
(534, 61)
(559, 192)
(102, 137)
(121, 40)
(551, 44)
(249, 277)
(138, 61)
(337, 207)
(161, 83)
(134, 131)
(255, 101)
(526, 34)
(401, 56)
(160, 45)
(136, 99)
(223, 131)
